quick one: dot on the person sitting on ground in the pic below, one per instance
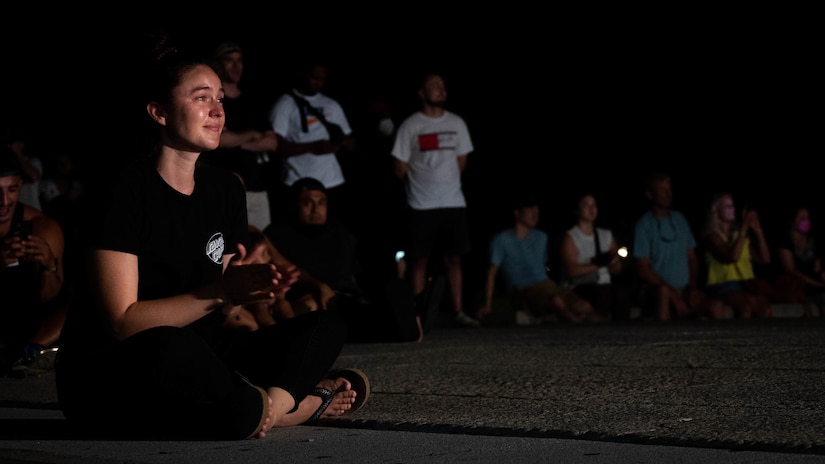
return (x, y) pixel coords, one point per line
(800, 274)
(306, 293)
(589, 260)
(310, 293)
(521, 252)
(325, 249)
(33, 304)
(730, 250)
(667, 264)
(166, 263)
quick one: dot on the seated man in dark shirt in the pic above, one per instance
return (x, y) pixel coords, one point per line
(33, 304)
(327, 250)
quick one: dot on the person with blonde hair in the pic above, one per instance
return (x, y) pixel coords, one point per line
(731, 248)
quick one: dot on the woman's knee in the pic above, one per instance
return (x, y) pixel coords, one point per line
(165, 347)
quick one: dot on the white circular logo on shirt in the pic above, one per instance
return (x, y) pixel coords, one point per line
(215, 247)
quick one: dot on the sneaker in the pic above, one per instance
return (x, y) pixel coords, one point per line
(464, 320)
(40, 364)
(524, 317)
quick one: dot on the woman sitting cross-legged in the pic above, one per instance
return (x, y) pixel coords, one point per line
(144, 352)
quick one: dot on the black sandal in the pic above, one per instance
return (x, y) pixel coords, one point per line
(326, 396)
(360, 383)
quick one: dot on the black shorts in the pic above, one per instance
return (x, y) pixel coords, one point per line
(442, 231)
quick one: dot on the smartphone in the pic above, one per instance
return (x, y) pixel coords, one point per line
(21, 229)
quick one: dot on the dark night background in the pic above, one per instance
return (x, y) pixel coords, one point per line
(558, 100)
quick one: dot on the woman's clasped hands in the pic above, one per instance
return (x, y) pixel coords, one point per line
(247, 280)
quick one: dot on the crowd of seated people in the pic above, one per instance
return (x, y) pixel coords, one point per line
(701, 287)
(676, 274)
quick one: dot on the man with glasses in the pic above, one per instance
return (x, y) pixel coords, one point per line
(664, 248)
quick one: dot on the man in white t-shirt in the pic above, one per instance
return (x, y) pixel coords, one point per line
(430, 153)
(312, 130)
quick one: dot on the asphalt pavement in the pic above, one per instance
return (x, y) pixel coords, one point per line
(733, 391)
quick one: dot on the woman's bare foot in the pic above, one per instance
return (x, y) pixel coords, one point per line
(269, 421)
(344, 396)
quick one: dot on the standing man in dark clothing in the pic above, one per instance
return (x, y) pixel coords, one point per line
(248, 144)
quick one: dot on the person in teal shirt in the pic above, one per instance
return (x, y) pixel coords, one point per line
(665, 251)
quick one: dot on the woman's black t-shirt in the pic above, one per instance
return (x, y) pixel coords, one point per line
(179, 239)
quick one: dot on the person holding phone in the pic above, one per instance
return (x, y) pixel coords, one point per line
(731, 248)
(590, 263)
(32, 307)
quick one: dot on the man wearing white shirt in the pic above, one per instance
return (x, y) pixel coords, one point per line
(430, 153)
(312, 131)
